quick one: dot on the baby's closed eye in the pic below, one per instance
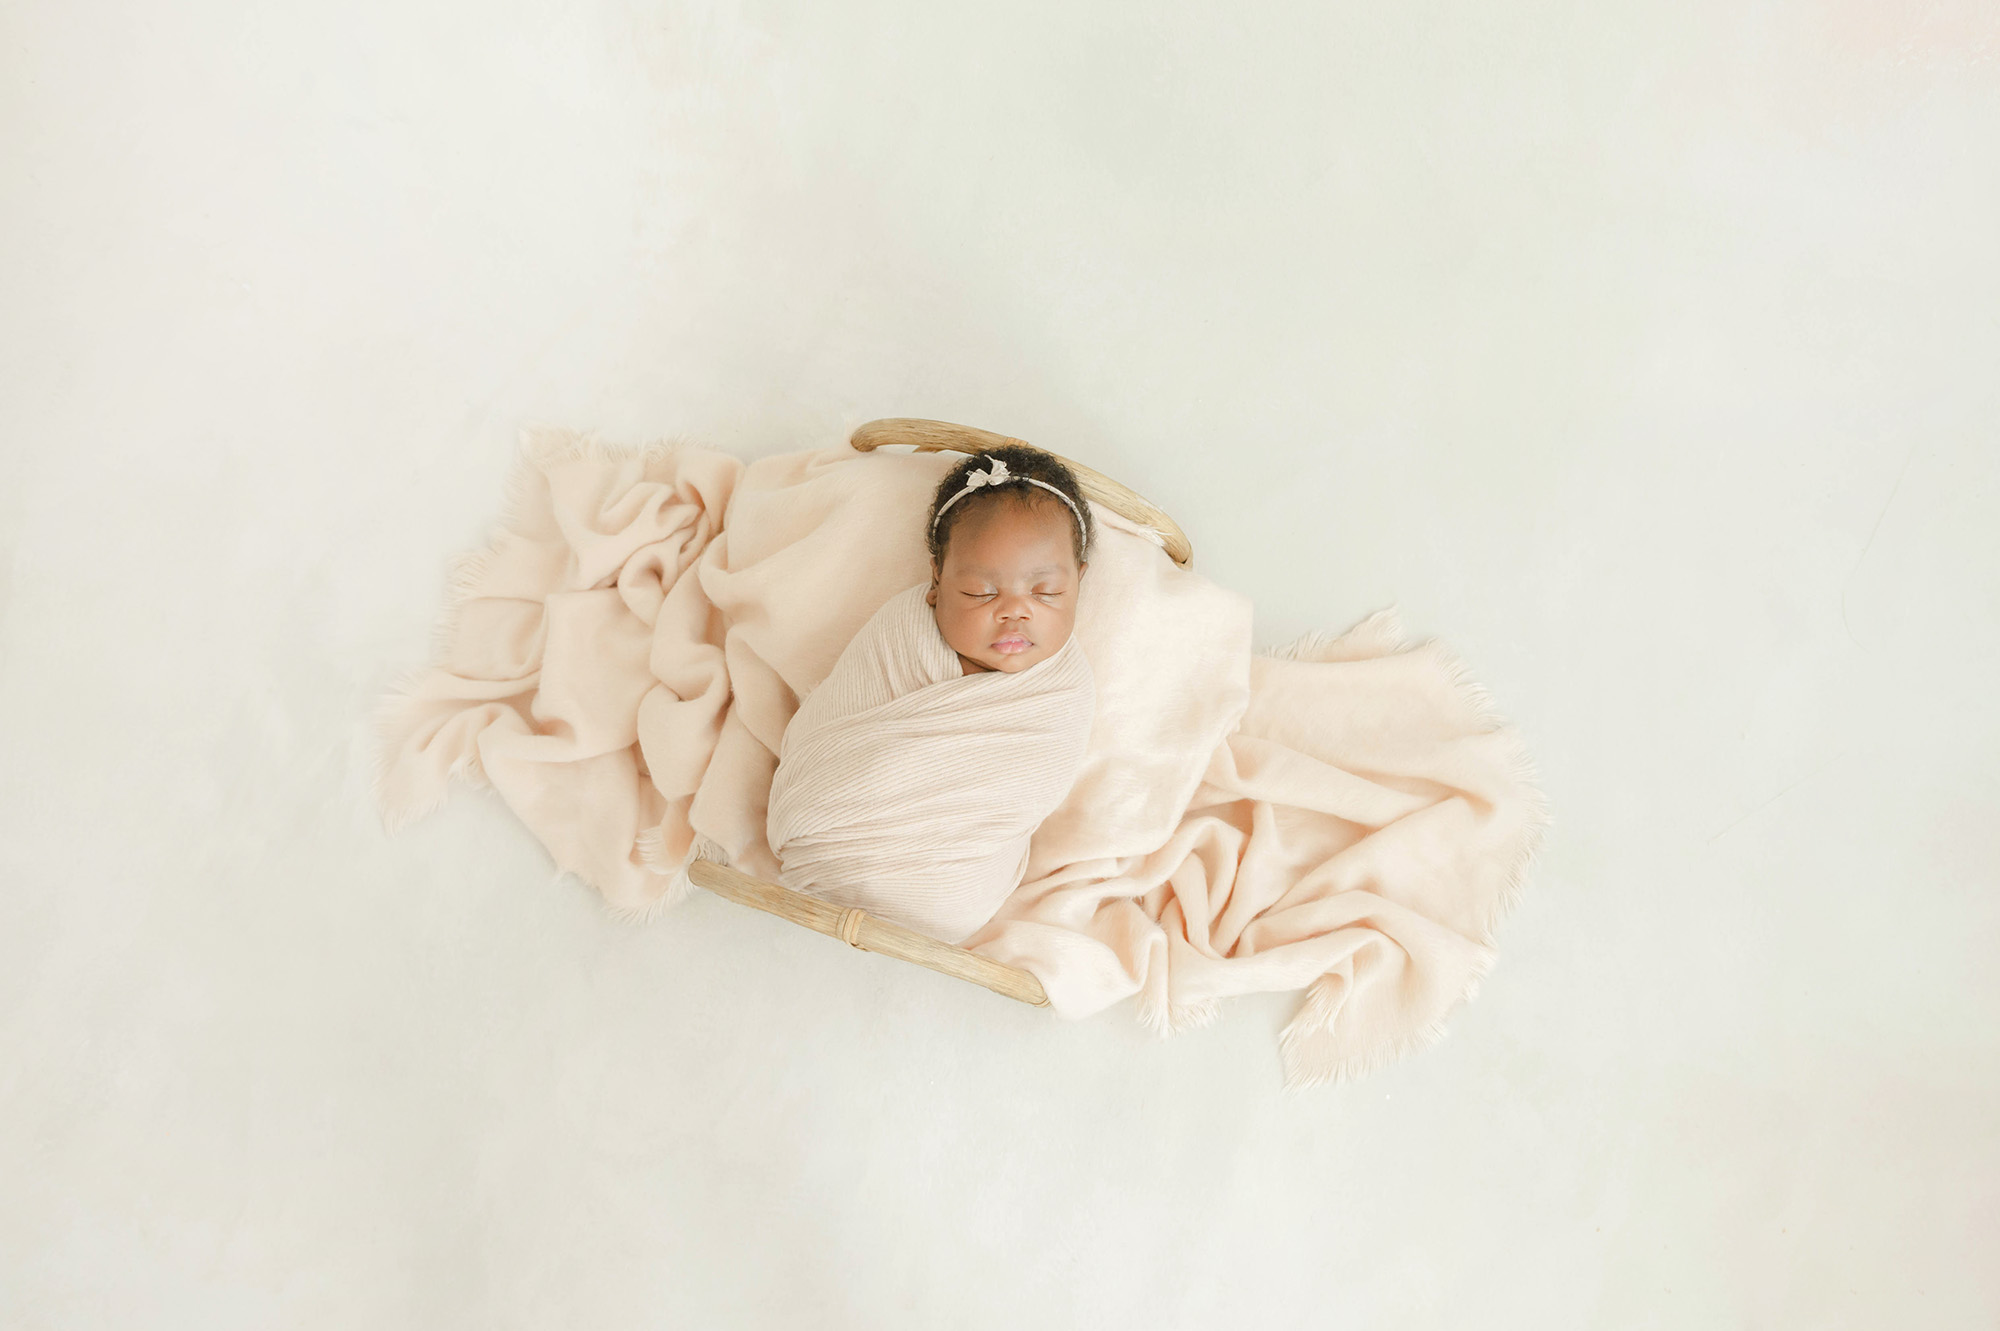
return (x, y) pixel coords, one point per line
(1042, 593)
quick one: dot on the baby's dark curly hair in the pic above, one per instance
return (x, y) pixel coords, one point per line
(1024, 462)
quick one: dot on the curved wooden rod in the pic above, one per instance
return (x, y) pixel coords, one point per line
(860, 929)
(933, 436)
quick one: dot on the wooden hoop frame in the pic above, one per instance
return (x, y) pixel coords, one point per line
(857, 928)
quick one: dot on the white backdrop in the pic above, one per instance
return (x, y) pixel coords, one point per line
(1646, 352)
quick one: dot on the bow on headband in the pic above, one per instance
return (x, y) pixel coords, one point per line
(996, 475)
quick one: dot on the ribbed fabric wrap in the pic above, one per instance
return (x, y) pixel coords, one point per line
(910, 789)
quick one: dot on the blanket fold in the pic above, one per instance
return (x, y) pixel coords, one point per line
(1345, 817)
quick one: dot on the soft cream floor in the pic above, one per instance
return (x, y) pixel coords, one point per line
(1645, 352)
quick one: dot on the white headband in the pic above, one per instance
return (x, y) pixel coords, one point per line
(998, 474)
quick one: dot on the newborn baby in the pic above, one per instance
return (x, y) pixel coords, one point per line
(1007, 560)
(911, 779)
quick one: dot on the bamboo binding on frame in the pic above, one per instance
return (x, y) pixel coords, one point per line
(859, 929)
(932, 436)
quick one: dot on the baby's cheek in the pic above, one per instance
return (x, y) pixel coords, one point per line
(956, 635)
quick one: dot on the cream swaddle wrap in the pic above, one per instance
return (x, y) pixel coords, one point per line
(909, 788)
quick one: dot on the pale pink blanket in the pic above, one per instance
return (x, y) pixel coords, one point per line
(1343, 817)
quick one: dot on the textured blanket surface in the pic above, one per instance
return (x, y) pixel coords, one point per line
(1344, 817)
(911, 789)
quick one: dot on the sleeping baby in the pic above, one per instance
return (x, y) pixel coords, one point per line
(911, 779)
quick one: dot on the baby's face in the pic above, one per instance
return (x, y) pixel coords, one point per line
(1006, 595)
